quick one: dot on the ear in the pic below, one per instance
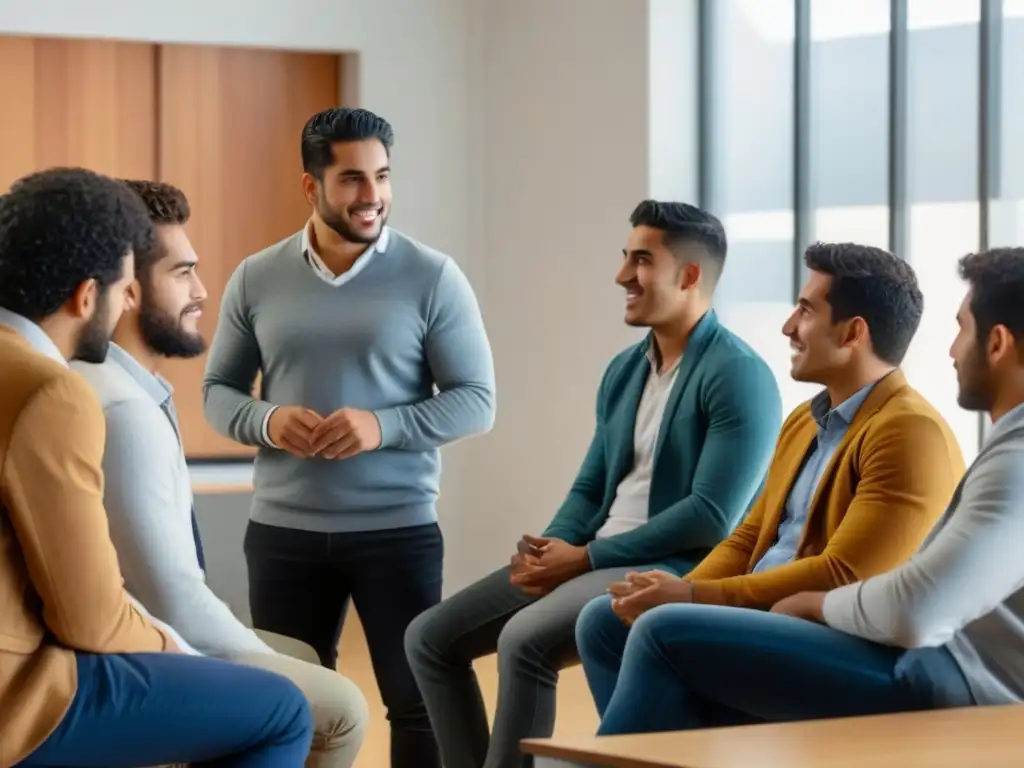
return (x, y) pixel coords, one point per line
(857, 332)
(689, 275)
(1001, 345)
(133, 296)
(309, 188)
(82, 304)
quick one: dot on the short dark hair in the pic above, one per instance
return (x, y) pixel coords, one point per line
(167, 205)
(685, 223)
(338, 124)
(61, 227)
(874, 284)
(996, 278)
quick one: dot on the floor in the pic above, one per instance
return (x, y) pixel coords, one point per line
(576, 713)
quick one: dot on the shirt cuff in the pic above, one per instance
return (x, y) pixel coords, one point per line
(265, 429)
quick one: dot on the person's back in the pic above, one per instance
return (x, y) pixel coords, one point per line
(86, 677)
(35, 393)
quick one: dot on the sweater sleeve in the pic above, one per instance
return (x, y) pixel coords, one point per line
(232, 365)
(969, 566)
(153, 534)
(744, 412)
(458, 354)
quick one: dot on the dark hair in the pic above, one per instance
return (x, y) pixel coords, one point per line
(685, 223)
(167, 205)
(874, 284)
(996, 278)
(61, 227)
(331, 126)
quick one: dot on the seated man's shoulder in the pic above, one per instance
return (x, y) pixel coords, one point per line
(25, 372)
(909, 415)
(111, 384)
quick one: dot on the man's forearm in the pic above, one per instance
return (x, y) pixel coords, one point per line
(459, 412)
(237, 415)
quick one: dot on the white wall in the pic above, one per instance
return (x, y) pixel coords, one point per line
(569, 150)
(526, 132)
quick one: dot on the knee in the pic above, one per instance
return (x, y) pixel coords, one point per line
(340, 714)
(651, 626)
(596, 620)
(422, 638)
(522, 642)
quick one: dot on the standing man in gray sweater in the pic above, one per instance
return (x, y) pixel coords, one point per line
(373, 355)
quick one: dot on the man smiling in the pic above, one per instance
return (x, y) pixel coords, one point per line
(147, 490)
(686, 420)
(860, 475)
(353, 326)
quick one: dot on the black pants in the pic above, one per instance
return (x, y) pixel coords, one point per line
(300, 583)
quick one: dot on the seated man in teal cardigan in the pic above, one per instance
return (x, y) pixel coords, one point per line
(686, 423)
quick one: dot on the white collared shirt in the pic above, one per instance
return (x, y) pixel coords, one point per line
(358, 265)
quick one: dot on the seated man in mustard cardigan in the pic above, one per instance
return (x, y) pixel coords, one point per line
(686, 421)
(860, 476)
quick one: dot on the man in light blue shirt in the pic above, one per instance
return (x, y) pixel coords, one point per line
(832, 426)
(148, 493)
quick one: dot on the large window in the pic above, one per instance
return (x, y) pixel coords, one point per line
(886, 122)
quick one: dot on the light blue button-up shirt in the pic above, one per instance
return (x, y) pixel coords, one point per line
(832, 426)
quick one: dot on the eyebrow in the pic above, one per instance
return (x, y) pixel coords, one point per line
(805, 303)
(637, 252)
(357, 172)
(184, 263)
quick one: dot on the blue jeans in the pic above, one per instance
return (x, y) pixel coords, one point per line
(162, 708)
(708, 665)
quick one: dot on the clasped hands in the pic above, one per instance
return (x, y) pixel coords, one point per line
(305, 433)
(642, 591)
(540, 564)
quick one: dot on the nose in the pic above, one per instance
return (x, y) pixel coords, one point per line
(198, 292)
(627, 274)
(789, 327)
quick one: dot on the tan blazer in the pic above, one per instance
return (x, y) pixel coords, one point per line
(61, 589)
(886, 486)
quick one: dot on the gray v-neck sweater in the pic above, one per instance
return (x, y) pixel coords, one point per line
(382, 341)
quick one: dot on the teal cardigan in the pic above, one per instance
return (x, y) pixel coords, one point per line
(714, 446)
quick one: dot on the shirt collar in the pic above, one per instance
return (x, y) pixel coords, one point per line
(307, 241)
(654, 358)
(844, 412)
(33, 334)
(156, 386)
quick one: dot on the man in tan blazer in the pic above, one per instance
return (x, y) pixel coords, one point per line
(86, 677)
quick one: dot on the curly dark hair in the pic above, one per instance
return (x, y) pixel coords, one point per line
(61, 227)
(336, 125)
(996, 278)
(167, 205)
(874, 284)
(685, 223)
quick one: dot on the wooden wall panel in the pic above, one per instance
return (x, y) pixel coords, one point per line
(230, 123)
(88, 103)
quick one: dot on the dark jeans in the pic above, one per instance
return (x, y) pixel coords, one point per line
(708, 665)
(300, 584)
(163, 708)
